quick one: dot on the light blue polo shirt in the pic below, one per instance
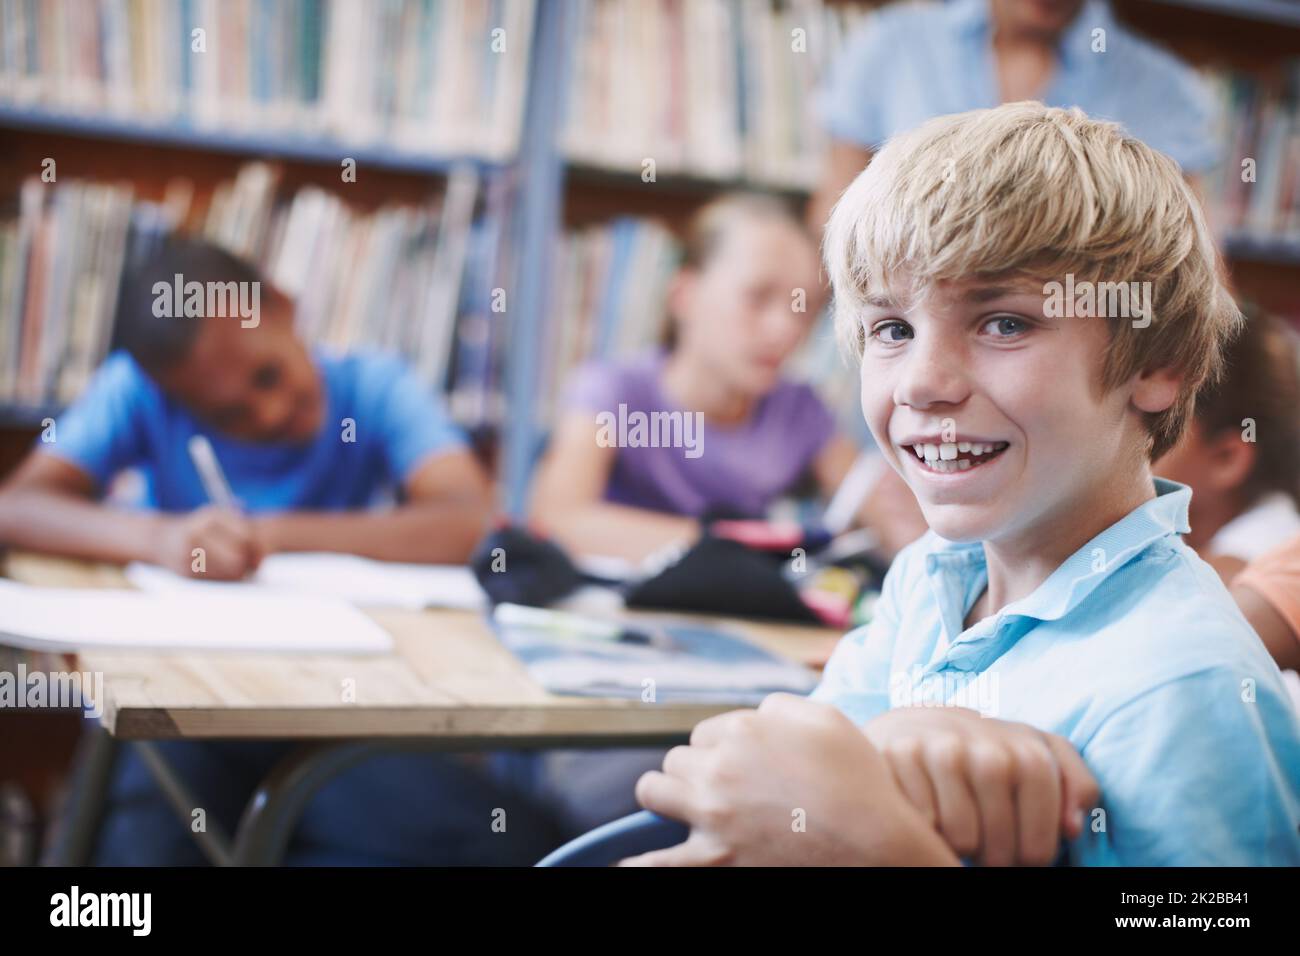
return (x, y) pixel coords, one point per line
(915, 61)
(1132, 650)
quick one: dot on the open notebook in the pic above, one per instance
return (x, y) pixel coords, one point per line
(359, 581)
(660, 661)
(72, 619)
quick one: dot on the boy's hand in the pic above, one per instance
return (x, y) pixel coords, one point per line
(1000, 793)
(228, 541)
(792, 783)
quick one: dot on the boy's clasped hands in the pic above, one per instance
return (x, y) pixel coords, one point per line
(796, 782)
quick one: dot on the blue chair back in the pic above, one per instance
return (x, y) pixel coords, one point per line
(628, 836)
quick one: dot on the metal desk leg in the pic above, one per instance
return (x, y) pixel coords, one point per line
(212, 839)
(279, 801)
(78, 828)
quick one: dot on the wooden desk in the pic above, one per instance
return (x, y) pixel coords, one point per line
(447, 676)
(448, 684)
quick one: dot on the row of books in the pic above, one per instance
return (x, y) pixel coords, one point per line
(415, 280)
(713, 88)
(1255, 194)
(434, 78)
(609, 293)
(60, 259)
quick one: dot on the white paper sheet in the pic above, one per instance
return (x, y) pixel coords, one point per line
(346, 577)
(71, 619)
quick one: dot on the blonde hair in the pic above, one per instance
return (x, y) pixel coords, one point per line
(1037, 192)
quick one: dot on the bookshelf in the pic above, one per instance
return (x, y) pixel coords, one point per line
(551, 187)
(269, 145)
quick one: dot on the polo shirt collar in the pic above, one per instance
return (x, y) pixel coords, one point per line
(956, 570)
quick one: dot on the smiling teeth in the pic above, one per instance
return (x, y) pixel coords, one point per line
(942, 457)
(949, 450)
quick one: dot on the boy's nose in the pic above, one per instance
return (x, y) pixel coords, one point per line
(933, 373)
(273, 415)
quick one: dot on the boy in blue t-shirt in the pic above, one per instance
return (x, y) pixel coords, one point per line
(307, 441)
(1034, 299)
(310, 444)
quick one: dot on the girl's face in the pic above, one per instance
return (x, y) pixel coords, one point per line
(751, 305)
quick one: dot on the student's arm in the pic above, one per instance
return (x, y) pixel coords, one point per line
(844, 160)
(567, 500)
(1268, 593)
(1273, 629)
(445, 512)
(793, 783)
(1000, 793)
(49, 505)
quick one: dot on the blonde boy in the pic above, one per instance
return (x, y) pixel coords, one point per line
(1054, 591)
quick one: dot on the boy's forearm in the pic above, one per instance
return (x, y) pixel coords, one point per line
(50, 522)
(443, 532)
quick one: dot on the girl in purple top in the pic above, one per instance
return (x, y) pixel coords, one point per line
(646, 448)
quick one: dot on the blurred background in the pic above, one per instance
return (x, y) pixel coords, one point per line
(496, 189)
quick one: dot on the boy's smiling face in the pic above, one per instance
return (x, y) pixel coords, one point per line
(1015, 432)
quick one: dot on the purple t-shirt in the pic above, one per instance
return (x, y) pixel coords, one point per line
(697, 467)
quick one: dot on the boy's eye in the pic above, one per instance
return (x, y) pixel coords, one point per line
(1006, 326)
(891, 332)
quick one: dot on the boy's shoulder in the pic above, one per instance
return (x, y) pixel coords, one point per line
(363, 365)
(120, 382)
(121, 370)
(1169, 614)
(363, 374)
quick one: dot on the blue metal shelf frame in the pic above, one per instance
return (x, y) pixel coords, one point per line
(540, 187)
(317, 149)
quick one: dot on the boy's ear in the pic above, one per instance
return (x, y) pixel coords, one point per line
(1156, 390)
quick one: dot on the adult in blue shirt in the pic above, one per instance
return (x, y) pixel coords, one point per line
(913, 61)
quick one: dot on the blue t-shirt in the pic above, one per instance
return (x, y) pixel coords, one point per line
(1132, 650)
(912, 62)
(124, 420)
